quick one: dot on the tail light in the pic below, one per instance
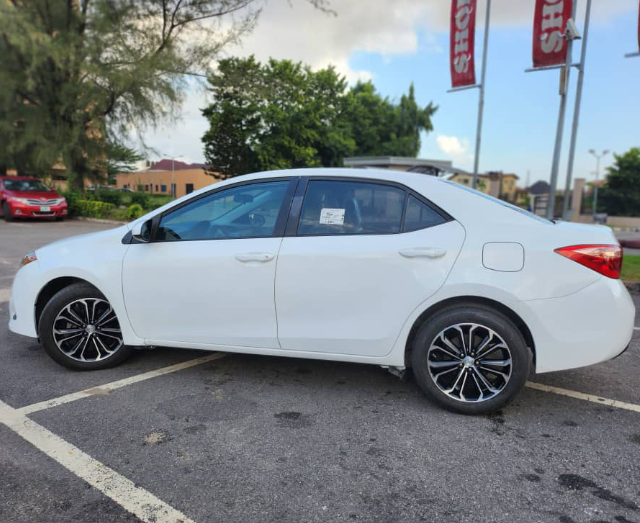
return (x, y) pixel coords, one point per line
(605, 259)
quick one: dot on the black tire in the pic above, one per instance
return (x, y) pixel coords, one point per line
(487, 319)
(6, 212)
(60, 219)
(66, 297)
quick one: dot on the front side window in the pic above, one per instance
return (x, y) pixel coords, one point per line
(248, 211)
(345, 207)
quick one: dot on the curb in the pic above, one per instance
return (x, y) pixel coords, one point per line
(99, 220)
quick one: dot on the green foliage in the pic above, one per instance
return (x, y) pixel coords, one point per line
(134, 211)
(141, 199)
(72, 196)
(77, 75)
(105, 195)
(284, 115)
(630, 268)
(621, 194)
(94, 209)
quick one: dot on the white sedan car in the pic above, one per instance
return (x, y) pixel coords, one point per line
(396, 269)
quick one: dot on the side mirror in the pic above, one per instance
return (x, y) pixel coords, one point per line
(141, 231)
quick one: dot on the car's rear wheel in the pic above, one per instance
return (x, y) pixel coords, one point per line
(470, 359)
(80, 330)
(6, 212)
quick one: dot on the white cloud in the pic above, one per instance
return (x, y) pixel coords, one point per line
(455, 149)
(295, 30)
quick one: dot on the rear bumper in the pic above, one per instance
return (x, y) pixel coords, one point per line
(588, 327)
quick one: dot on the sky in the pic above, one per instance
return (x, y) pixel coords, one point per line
(398, 42)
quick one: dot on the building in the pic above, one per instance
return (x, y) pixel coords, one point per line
(464, 178)
(167, 177)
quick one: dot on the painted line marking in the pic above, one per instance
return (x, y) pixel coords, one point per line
(585, 397)
(108, 387)
(136, 500)
(4, 294)
(636, 328)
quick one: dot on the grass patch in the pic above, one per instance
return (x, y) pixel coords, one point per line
(630, 268)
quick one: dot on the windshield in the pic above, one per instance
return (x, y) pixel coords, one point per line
(496, 200)
(25, 185)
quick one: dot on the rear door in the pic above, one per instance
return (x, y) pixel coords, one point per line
(357, 258)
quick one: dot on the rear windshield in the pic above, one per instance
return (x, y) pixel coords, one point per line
(500, 202)
(25, 185)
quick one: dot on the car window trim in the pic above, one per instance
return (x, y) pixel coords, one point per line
(296, 214)
(278, 230)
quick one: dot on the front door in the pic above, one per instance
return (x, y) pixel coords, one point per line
(363, 257)
(208, 275)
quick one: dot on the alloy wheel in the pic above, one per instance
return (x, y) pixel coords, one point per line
(469, 362)
(87, 330)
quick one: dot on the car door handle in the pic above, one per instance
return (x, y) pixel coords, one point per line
(261, 257)
(423, 252)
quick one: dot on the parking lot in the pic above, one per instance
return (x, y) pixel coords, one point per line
(176, 435)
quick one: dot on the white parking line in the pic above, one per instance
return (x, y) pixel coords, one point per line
(4, 294)
(123, 491)
(636, 328)
(586, 397)
(108, 387)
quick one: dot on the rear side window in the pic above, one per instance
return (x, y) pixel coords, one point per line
(420, 216)
(344, 207)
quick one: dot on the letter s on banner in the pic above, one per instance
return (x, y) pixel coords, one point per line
(549, 23)
(462, 41)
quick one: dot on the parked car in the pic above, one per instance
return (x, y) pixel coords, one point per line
(24, 197)
(402, 270)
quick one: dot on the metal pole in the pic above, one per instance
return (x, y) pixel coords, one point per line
(595, 188)
(576, 112)
(476, 162)
(564, 84)
(173, 177)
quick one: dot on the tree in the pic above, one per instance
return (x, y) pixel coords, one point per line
(284, 115)
(620, 196)
(83, 73)
(121, 159)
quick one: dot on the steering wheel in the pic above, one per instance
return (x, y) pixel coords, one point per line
(256, 220)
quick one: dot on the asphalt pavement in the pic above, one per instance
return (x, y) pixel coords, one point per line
(262, 439)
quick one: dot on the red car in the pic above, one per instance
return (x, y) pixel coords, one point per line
(24, 197)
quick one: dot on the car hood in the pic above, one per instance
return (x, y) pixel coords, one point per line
(36, 195)
(81, 241)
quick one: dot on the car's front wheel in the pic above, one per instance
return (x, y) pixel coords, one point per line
(6, 212)
(470, 359)
(80, 330)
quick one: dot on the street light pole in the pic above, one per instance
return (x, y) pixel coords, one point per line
(595, 188)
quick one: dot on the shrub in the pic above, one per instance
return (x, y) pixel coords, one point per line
(114, 197)
(135, 211)
(94, 209)
(141, 198)
(72, 196)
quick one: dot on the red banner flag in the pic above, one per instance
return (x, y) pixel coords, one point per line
(639, 27)
(462, 41)
(549, 23)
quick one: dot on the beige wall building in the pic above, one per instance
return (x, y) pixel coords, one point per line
(160, 181)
